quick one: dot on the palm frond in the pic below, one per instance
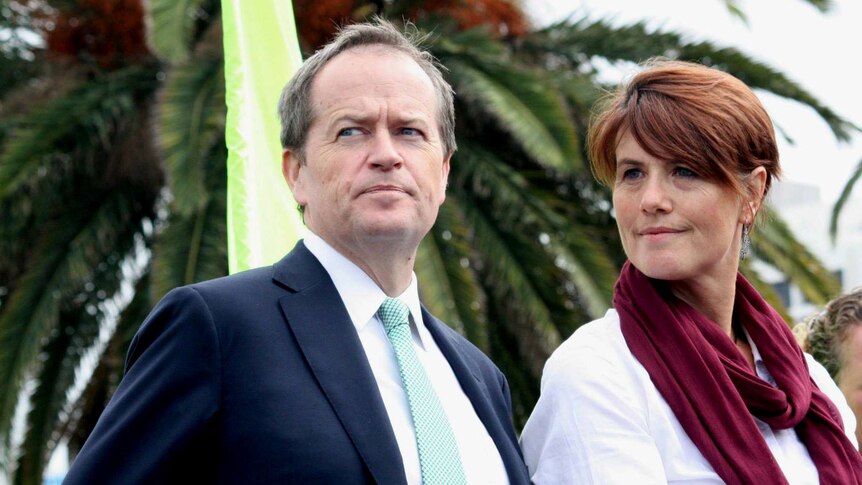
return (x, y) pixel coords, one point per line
(171, 27)
(523, 383)
(517, 118)
(191, 121)
(46, 406)
(522, 102)
(191, 248)
(67, 350)
(83, 414)
(581, 93)
(14, 71)
(506, 272)
(582, 40)
(83, 119)
(521, 327)
(514, 204)
(72, 249)
(821, 5)
(735, 10)
(16, 230)
(760, 76)
(766, 290)
(842, 200)
(59, 358)
(775, 244)
(448, 282)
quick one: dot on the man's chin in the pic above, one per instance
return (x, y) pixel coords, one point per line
(399, 228)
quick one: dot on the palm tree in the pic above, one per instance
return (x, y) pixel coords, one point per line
(112, 187)
(111, 178)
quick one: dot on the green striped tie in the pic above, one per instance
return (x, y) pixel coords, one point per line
(439, 459)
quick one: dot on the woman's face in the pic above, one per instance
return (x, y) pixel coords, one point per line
(674, 224)
(849, 378)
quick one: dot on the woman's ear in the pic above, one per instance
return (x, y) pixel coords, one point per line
(755, 183)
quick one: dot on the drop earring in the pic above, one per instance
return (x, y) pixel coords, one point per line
(746, 242)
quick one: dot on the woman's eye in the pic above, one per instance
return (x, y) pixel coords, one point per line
(631, 173)
(685, 172)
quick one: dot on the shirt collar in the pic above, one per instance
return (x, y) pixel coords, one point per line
(759, 365)
(360, 294)
(755, 354)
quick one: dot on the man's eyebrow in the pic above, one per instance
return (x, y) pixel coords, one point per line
(351, 118)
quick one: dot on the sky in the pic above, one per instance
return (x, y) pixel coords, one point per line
(818, 51)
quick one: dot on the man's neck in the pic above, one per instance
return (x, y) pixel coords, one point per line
(390, 266)
(392, 273)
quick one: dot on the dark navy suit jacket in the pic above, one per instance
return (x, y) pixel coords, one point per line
(261, 378)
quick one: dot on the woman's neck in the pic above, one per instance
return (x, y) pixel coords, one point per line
(714, 299)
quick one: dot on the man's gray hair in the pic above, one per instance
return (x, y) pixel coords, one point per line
(295, 108)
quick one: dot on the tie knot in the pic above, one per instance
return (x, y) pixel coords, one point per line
(393, 312)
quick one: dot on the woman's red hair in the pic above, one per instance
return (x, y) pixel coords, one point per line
(690, 113)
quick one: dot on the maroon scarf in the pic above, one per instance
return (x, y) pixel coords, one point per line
(713, 391)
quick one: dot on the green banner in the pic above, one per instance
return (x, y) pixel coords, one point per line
(261, 53)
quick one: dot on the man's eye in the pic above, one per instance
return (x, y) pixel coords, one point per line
(349, 132)
(410, 132)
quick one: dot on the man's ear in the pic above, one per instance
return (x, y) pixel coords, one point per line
(291, 169)
(445, 179)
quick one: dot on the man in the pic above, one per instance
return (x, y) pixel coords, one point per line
(311, 371)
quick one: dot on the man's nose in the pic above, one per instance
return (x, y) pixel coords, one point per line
(384, 153)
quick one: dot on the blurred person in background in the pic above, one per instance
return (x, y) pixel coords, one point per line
(834, 338)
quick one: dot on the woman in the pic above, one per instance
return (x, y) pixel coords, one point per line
(834, 338)
(693, 377)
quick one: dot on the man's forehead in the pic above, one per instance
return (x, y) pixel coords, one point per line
(355, 111)
(352, 55)
(342, 77)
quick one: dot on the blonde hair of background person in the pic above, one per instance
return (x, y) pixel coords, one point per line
(834, 338)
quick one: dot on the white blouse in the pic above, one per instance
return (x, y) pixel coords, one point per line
(601, 420)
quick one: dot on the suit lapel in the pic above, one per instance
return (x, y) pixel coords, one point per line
(328, 340)
(476, 390)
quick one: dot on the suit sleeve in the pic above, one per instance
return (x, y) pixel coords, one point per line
(157, 427)
(504, 389)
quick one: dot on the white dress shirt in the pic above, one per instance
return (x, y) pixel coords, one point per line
(362, 298)
(601, 420)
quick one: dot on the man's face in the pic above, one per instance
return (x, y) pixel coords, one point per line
(374, 169)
